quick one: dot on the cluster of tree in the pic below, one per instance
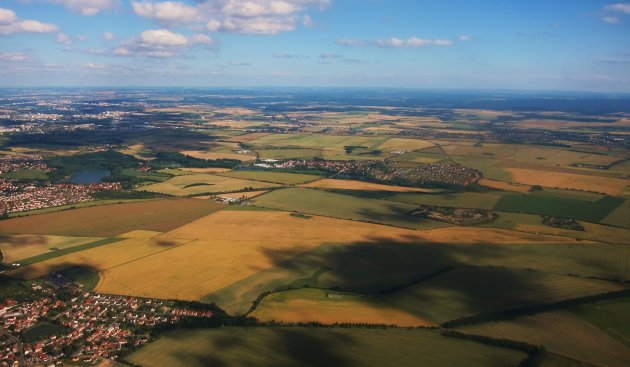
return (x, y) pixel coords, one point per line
(524, 311)
(535, 353)
(110, 160)
(174, 159)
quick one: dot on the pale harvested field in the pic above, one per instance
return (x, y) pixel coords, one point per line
(199, 184)
(308, 305)
(247, 195)
(505, 186)
(563, 333)
(408, 145)
(140, 233)
(592, 231)
(331, 183)
(218, 155)
(207, 170)
(246, 137)
(232, 245)
(23, 246)
(103, 257)
(604, 185)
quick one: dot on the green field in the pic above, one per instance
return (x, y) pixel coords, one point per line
(620, 216)
(202, 184)
(465, 292)
(560, 332)
(488, 167)
(612, 317)
(317, 141)
(87, 277)
(543, 203)
(486, 200)
(26, 174)
(304, 153)
(40, 331)
(284, 347)
(67, 250)
(270, 176)
(330, 204)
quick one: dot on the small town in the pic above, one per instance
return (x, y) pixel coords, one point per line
(65, 323)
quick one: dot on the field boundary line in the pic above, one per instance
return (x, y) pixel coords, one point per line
(151, 254)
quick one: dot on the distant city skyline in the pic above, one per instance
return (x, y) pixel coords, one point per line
(577, 45)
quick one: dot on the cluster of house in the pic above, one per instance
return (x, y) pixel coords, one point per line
(448, 173)
(14, 162)
(17, 196)
(82, 327)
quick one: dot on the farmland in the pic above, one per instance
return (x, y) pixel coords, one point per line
(298, 222)
(319, 347)
(561, 332)
(326, 307)
(572, 181)
(199, 184)
(343, 206)
(110, 220)
(274, 177)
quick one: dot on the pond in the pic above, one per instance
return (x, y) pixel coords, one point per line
(89, 176)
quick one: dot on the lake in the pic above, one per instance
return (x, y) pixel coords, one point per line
(89, 176)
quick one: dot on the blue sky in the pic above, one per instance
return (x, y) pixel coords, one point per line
(482, 44)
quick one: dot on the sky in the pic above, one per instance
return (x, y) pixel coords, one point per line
(577, 45)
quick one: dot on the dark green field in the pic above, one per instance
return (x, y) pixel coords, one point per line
(287, 347)
(543, 203)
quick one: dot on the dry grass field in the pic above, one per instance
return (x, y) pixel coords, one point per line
(310, 347)
(331, 183)
(206, 170)
(571, 181)
(408, 145)
(329, 307)
(218, 155)
(505, 186)
(22, 246)
(232, 245)
(270, 176)
(111, 220)
(592, 231)
(101, 258)
(199, 184)
(563, 333)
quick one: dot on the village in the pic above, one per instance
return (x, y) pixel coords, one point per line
(65, 323)
(23, 195)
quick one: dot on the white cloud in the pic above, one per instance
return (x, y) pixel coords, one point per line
(411, 42)
(201, 39)
(619, 7)
(162, 37)
(63, 38)
(7, 16)
(88, 7)
(328, 55)
(611, 19)
(351, 42)
(238, 16)
(12, 56)
(464, 37)
(167, 11)
(396, 42)
(155, 43)
(10, 23)
(93, 65)
(109, 36)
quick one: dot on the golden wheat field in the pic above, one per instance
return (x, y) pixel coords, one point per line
(101, 258)
(571, 181)
(199, 184)
(218, 155)
(232, 245)
(316, 305)
(505, 186)
(22, 246)
(331, 183)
